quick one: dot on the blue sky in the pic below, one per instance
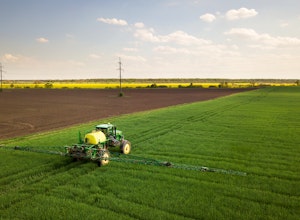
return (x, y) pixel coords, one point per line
(80, 39)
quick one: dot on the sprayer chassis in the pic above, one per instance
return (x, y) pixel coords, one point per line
(88, 152)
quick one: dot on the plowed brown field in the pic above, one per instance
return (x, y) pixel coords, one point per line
(28, 111)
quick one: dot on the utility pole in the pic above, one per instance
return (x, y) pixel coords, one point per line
(120, 71)
(1, 77)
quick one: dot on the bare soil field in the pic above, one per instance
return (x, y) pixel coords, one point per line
(25, 111)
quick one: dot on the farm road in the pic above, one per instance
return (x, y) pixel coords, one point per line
(25, 111)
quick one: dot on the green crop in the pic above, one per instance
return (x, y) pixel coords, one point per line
(255, 132)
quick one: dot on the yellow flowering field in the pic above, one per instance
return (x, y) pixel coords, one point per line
(113, 85)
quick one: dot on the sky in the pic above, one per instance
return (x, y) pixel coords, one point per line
(84, 39)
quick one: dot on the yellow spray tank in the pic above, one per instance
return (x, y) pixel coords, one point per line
(95, 137)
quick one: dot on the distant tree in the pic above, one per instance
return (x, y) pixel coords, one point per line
(153, 85)
(223, 84)
(48, 85)
(298, 82)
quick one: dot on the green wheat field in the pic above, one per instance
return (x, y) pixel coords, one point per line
(256, 132)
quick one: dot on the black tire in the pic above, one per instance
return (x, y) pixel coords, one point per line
(104, 158)
(126, 147)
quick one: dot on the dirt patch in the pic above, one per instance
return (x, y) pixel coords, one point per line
(28, 111)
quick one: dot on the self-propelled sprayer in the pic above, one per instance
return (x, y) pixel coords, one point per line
(96, 144)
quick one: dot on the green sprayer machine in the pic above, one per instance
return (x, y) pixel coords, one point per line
(97, 144)
(105, 143)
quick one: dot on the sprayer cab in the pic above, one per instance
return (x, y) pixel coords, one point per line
(110, 130)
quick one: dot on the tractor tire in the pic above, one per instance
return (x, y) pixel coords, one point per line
(104, 158)
(125, 147)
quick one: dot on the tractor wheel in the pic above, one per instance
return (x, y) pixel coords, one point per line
(126, 147)
(104, 158)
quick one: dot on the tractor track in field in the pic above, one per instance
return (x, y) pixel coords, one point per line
(162, 129)
(34, 177)
(26, 111)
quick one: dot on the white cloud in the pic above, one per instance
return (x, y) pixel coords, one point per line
(178, 37)
(241, 13)
(182, 38)
(42, 40)
(113, 21)
(242, 33)
(10, 58)
(208, 17)
(264, 39)
(139, 25)
(146, 35)
(180, 42)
